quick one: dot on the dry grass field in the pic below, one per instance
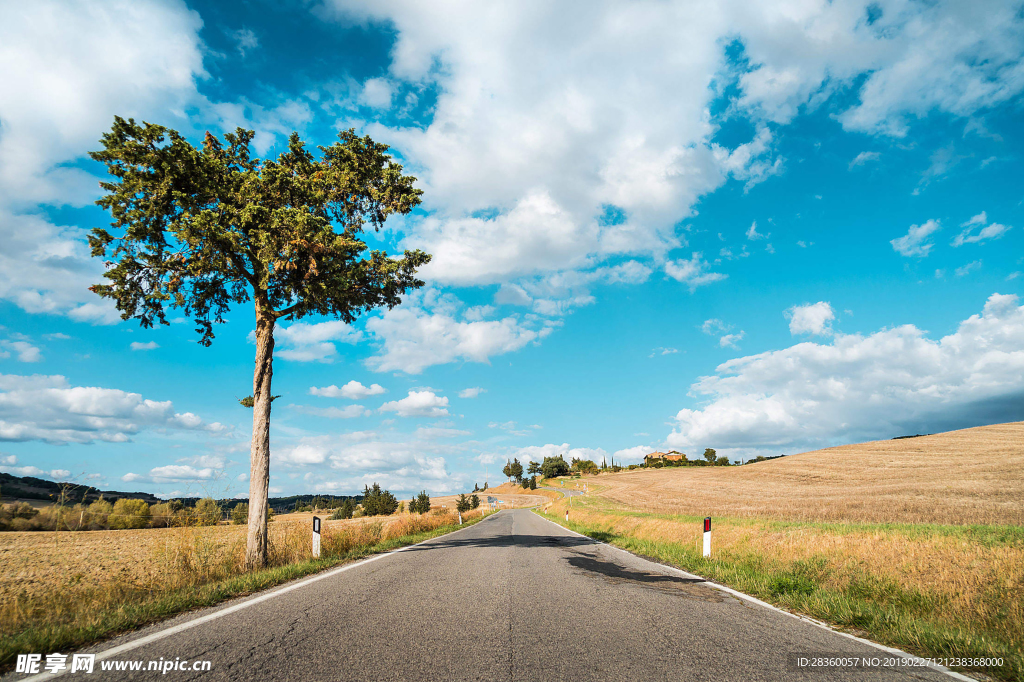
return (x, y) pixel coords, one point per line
(37, 563)
(972, 476)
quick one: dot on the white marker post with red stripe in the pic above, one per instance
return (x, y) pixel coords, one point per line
(707, 536)
(316, 537)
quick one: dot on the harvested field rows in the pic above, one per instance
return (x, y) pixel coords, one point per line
(972, 476)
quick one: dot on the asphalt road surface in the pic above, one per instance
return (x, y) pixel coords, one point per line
(514, 597)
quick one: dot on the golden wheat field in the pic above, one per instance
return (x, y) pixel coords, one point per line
(971, 476)
(36, 563)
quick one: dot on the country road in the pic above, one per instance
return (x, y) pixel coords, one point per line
(514, 597)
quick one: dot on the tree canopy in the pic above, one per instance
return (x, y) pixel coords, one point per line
(207, 227)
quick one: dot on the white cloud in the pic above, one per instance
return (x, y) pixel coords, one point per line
(304, 342)
(345, 463)
(753, 234)
(661, 350)
(471, 392)
(245, 40)
(434, 432)
(715, 327)
(889, 383)
(812, 318)
(353, 390)
(376, 93)
(418, 404)
(965, 270)
(968, 236)
(425, 331)
(512, 294)
(537, 453)
(863, 158)
(729, 340)
(633, 455)
(68, 68)
(521, 161)
(149, 345)
(347, 412)
(175, 473)
(914, 242)
(8, 462)
(25, 351)
(181, 472)
(692, 271)
(47, 408)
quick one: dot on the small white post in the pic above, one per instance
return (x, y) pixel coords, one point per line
(460, 518)
(707, 536)
(316, 537)
(567, 516)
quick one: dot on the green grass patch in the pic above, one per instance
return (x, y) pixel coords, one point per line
(118, 609)
(866, 603)
(984, 535)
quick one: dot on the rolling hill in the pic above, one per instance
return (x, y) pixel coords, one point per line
(971, 476)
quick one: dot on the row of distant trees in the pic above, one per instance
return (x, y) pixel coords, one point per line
(123, 514)
(557, 466)
(126, 514)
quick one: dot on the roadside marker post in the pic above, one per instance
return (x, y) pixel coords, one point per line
(707, 536)
(316, 537)
(460, 517)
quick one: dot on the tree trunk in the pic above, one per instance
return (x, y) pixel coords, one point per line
(259, 454)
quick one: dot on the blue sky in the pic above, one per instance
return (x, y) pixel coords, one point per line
(759, 229)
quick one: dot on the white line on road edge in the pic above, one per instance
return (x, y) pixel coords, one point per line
(755, 600)
(188, 625)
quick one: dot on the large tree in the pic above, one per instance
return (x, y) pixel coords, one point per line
(201, 228)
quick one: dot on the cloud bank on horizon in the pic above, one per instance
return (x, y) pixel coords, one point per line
(815, 183)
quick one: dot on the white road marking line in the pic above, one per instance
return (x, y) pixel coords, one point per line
(805, 619)
(188, 625)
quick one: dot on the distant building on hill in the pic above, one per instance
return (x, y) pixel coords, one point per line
(671, 456)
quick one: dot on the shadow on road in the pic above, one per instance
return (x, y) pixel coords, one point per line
(505, 540)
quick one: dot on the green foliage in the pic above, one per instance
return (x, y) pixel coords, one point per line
(533, 469)
(201, 228)
(377, 502)
(128, 514)
(98, 513)
(722, 461)
(249, 401)
(161, 515)
(240, 514)
(22, 510)
(525, 484)
(463, 504)
(206, 512)
(554, 466)
(710, 455)
(533, 482)
(420, 504)
(517, 470)
(584, 466)
(474, 501)
(347, 507)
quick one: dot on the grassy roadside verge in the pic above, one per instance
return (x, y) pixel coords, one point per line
(829, 572)
(72, 618)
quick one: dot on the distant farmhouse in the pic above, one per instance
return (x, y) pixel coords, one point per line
(663, 457)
